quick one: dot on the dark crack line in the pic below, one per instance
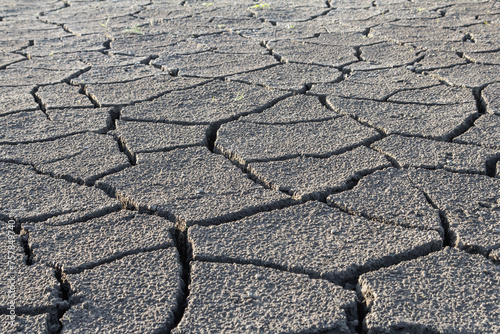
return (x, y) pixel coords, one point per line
(64, 306)
(110, 259)
(54, 138)
(351, 276)
(224, 76)
(39, 101)
(90, 97)
(8, 113)
(28, 251)
(171, 148)
(211, 134)
(447, 235)
(76, 74)
(96, 102)
(3, 67)
(390, 158)
(182, 245)
(318, 195)
(60, 25)
(131, 156)
(367, 124)
(466, 125)
(451, 239)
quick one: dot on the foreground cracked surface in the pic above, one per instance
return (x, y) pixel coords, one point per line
(249, 167)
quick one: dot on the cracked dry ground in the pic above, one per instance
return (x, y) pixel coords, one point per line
(242, 167)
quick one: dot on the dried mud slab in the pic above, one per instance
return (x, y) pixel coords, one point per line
(81, 158)
(237, 298)
(424, 153)
(311, 238)
(33, 288)
(389, 196)
(389, 54)
(440, 122)
(294, 109)
(290, 76)
(141, 137)
(434, 60)
(249, 142)
(308, 177)
(375, 85)
(54, 63)
(103, 75)
(24, 323)
(10, 58)
(62, 96)
(83, 245)
(485, 132)
(209, 103)
(19, 77)
(211, 64)
(138, 293)
(433, 38)
(32, 126)
(191, 186)
(285, 12)
(49, 47)
(136, 91)
(491, 96)
(445, 292)
(28, 196)
(230, 43)
(154, 45)
(471, 204)
(469, 75)
(438, 95)
(14, 99)
(311, 53)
